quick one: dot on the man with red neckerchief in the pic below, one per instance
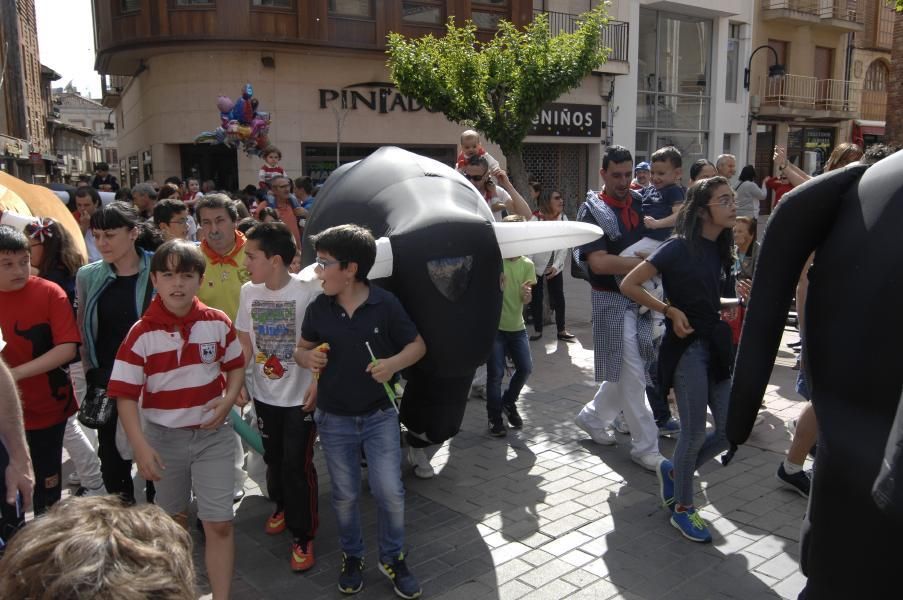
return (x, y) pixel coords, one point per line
(622, 338)
(223, 249)
(224, 252)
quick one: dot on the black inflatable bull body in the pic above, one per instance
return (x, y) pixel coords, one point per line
(446, 272)
(852, 219)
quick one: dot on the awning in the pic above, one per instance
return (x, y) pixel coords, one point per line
(869, 127)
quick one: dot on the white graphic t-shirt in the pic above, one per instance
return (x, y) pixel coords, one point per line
(272, 319)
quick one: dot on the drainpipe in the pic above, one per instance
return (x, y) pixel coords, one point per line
(848, 70)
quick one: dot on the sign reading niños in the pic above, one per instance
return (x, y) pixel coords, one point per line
(378, 96)
(568, 120)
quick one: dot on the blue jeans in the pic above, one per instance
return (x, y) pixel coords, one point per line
(517, 345)
(695, 390)
(342, 439)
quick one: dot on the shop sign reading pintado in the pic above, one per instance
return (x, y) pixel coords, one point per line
(378, 96)
(557, 120)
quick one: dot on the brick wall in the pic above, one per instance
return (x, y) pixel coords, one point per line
(894, 128)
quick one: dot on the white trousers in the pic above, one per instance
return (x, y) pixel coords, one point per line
(628, 396)
(79, 444)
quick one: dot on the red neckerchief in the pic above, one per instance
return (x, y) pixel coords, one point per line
(159, 314)
(216, 258)
(629, 218)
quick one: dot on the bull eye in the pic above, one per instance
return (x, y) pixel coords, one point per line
(451, 276)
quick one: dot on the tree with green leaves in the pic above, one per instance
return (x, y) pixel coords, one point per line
(497, 87)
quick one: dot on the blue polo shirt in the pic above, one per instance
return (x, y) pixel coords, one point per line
(345, 387)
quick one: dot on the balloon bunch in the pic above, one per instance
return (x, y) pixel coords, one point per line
(241, 124)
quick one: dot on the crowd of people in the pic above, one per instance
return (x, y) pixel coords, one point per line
(191, 304)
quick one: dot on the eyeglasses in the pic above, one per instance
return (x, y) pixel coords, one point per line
(725, 201)
(179, 222)
(322, 263)
(475, 177)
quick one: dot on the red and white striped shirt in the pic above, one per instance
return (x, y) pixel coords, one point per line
(178, 363)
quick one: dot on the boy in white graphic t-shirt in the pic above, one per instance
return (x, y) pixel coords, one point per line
(271, 309)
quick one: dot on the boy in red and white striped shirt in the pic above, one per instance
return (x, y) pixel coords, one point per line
(174, 359)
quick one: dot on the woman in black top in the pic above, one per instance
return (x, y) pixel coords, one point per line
(112, 294)
(694, 264)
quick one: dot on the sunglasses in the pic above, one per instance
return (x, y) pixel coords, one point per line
(324, 264)
(475, 177)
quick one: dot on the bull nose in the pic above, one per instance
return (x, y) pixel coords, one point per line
(451, 276)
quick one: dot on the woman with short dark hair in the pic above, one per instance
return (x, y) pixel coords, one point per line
(749, 193)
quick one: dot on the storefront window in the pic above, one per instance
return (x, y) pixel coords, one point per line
(810, 147)
(126, 6)
(351, 8)
(192, 2)
(431, 12)
(273, 3)
(674, 96)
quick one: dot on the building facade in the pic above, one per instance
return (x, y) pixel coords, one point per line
(871, 60)
(88, 114)
(25, 103)
(810, 106)
(318, 68)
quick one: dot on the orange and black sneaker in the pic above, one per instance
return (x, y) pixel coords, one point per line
(276, 523)
(302, 555)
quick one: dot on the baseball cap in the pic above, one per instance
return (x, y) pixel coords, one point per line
(643, 166)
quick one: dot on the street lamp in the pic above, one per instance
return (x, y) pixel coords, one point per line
(775, 70)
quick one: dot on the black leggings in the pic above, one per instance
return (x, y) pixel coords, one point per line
(116, 471)
(556, 301)
(46, 449)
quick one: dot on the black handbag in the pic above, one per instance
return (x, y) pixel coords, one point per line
(97, 408)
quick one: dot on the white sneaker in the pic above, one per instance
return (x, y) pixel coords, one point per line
(421, 463)
(620, 424)
(603, 437)
(649, 462)
(74, 479)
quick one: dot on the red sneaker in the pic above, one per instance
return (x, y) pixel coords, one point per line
(276, 523)
(302, 555)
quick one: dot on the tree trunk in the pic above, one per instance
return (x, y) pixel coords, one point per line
(517, 172)
(893, 133)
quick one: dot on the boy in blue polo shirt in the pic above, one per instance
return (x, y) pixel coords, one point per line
(663, 200)
(353, 411)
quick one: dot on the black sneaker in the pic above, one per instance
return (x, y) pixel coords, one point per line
(405, 583)
(798, 482)
(513, 416)
(351, 580)
(497, 428)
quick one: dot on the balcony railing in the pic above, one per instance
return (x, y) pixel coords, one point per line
(874, 105)
(803, 92)
(615, 34)
(843, 10)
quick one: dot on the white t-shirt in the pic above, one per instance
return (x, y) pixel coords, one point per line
(500, 196)
(272, 319)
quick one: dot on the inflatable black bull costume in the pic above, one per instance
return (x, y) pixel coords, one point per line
(853, 220)
(445, 273)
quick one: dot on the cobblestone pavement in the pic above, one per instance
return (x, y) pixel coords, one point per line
(546, 513)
